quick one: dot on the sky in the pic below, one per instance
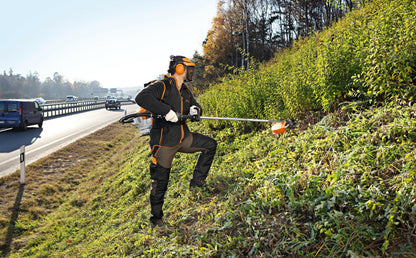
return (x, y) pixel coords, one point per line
(120, 43)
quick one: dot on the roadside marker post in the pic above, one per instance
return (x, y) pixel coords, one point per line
(22, 165)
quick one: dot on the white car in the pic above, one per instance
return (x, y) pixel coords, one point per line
(40, 101)
(71, 98)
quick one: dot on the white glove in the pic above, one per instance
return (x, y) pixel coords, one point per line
(171, 116)
(193, 111)
(135, 121)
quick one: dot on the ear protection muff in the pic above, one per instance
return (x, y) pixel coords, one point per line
(180, 64)
(179, 69)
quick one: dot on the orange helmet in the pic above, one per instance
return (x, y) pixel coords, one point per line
(180, 64)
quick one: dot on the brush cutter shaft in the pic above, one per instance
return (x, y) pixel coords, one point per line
(234, 119)
(129, 118)
(289, 123)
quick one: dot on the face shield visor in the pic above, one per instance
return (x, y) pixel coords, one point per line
(189, 73)
(190, 67)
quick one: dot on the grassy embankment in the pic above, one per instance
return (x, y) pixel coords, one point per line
(343, 184)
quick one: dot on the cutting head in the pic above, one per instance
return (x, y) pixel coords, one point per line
(279, 127)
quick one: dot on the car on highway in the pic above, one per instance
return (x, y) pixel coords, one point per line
(40, 101)
(71, 98)
(112, 103)
(20, 113)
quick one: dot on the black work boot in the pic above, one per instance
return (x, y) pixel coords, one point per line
(157, 223)
(197, 183)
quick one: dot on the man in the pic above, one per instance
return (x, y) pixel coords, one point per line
(170, 134)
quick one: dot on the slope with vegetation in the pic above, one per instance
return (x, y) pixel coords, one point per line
(346, 186)
(368, 56)
(342, 184)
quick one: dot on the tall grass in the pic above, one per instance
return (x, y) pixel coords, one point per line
(344, 187)
(369, 55)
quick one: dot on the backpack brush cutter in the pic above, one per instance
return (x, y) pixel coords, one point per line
(143, 121)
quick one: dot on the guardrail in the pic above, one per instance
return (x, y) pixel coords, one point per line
(58, 101)
(51, 110)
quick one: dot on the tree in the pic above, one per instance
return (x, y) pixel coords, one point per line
(245, 29)
(17, 86)
(219, 44)
(33, 84)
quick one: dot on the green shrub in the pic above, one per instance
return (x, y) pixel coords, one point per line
(369, 55)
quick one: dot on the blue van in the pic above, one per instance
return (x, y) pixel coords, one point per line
(18, 113)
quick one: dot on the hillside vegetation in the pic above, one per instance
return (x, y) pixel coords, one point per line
(368, 56)
(346, 186)
(342, 184)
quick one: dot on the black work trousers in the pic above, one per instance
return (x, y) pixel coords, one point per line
(162, 163)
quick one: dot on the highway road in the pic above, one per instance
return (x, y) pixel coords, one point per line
(55, 133)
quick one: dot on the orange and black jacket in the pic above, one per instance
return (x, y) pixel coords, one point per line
(159, 98)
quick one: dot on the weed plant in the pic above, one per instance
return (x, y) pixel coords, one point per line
(370, 55)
